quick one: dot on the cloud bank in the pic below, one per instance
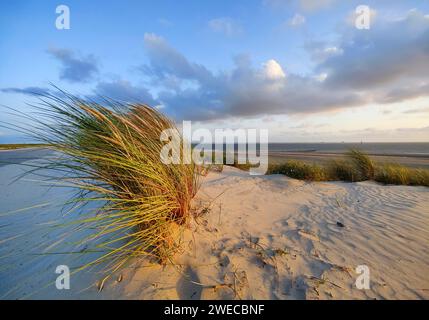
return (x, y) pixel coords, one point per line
(383, 65)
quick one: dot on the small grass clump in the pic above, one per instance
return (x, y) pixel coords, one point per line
(300, 170)
(242, 166)
(111, 154)
(400, 175)
(342, 170)
(392, 174)
(419, 177)
(362, 163)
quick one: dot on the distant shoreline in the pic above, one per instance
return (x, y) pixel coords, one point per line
(273, 153)
(411, 160)
(324, 153)
(18, 146)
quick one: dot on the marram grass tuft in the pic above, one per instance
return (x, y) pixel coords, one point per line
(111, 154)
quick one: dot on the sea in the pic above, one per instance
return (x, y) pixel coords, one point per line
(414, 149)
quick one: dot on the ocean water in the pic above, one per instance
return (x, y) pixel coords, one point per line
(416, 149)
(382, 148)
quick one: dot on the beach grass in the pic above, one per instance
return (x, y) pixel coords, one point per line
(300, 170)
(342, 170)
(111, 154)
(355, 166)
(400, 175)
(362, 164)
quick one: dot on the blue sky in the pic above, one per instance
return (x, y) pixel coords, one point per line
(297, 67)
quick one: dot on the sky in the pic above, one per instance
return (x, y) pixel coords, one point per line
(299, 68)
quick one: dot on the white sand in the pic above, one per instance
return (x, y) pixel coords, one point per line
(266, 237)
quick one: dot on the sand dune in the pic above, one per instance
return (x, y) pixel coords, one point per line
(263, 237)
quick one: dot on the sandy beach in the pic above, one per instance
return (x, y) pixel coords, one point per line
(263, 237)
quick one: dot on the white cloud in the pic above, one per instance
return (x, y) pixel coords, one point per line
(297, 20)
(168, 66)
(123, 90)
(391, 54)
(272, 70)
(242, 91)
(417, 110)
(321, 77)
(387, 65)
(320, 51)
(227, 26)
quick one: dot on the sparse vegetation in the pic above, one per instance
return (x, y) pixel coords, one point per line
(300, 170)
(342, 170)
(362, 164)
(356, 166)
(397, 174)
